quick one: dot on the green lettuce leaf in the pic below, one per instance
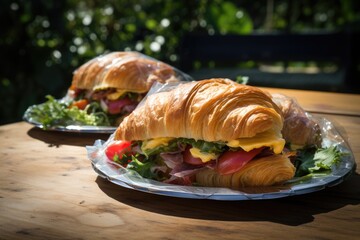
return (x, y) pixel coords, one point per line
(145, 169)
(57, 113)
(204, 146)
(316, 161)
(171, 147)
(325, 158)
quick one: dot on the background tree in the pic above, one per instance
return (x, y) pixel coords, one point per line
(43, 41)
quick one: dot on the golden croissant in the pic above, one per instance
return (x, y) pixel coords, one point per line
(129, 71)
(212, 132)
(210, 110)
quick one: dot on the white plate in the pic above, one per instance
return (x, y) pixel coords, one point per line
(130, 180)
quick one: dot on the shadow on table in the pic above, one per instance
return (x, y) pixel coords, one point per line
(293, 211)
(56, 138)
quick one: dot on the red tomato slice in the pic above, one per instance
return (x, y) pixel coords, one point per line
(115, 107)
(188, 158)
(233, 161)
(118, 148)
(81, 104)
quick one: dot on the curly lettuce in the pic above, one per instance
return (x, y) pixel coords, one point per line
(57, 113)
(317, 161)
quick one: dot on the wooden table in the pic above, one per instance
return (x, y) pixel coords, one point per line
(48, 190)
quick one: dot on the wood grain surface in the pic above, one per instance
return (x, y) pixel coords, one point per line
(48, 190)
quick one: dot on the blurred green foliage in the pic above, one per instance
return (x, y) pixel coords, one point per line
(43, 41)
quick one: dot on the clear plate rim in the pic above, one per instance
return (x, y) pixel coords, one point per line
(230, 195)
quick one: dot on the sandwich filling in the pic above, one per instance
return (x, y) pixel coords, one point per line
(112, 104)
(177, 160)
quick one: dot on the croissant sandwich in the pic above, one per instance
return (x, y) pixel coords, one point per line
(117, 82)
(214, 133)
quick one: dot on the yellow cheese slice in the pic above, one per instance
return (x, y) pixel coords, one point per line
(205, 157)
(153, 143)
(265, 139)
(116, 95)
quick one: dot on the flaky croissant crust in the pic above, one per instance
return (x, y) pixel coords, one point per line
(130, 71)
(210, 110)
(266, 171)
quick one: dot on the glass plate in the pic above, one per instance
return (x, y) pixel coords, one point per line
(68, 128)
(130, 180)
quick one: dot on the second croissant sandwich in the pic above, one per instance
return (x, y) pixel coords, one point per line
(214, 133)
(117, 81)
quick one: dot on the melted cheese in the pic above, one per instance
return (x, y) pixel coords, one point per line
(266, 139)
(153, 143)
(205, 157)
(119, 93)
(116, 95)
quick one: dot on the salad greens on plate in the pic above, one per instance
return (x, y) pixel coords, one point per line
(59, 113)
(316, 161)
